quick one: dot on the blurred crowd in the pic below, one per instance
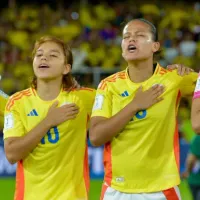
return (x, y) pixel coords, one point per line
(94, 33)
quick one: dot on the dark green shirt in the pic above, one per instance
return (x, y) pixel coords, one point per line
(194, 177)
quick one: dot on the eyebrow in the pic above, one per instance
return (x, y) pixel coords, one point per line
(53, 50)
(127, 33)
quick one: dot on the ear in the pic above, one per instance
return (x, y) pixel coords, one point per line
(67, 69)
(155, 47)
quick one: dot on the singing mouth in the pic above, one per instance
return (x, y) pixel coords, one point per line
(43, 66)
(131, 48)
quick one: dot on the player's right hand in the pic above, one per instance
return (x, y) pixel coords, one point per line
(145, 99)
(57, 115)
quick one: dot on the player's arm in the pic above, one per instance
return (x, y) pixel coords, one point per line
(195, 111)
(195, 115)
(103, 129)
(18, 148)
(3, 101)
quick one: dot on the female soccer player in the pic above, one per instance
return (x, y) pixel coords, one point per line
(140, 133)
(45, 129)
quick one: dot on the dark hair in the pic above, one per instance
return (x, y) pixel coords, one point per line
(67, 78)
(153, 29)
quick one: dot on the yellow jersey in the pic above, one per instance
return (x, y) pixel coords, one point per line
(57, 169)
(144, 156)
(3, 101)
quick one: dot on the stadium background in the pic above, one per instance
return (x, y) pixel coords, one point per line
(93, 29)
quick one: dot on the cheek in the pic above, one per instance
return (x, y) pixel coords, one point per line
(123, 46)
(34, 62)
(145, 42)
(147, 46)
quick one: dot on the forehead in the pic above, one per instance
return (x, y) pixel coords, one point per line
(49, 46)
(136, 26)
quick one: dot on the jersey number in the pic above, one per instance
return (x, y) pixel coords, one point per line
(140, 115)
(52, 137)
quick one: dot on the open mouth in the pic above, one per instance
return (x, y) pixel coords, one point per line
(43, 66)
(131, 48)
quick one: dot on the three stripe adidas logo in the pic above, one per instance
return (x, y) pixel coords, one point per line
(33, 113)
(125, 94)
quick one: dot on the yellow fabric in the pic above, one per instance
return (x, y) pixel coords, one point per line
(55, 168)
(185, 86)
(142, 155)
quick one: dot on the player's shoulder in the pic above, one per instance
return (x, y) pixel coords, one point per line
(168, 75)
(81, 91)
(112, 79)
(163, 71)
(20, 94)
(173, 74)
(17, 97)
(84, 92)
(116, 76)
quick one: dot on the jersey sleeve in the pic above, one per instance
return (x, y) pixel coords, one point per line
(103, 102)
(194, 146)
(187, 84)
(3, 101)
(13, 126)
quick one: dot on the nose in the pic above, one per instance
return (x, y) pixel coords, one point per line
(43, 57)
(132, 38)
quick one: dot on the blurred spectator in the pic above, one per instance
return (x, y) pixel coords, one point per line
(188, 45)
(95, 32)
(172, 51)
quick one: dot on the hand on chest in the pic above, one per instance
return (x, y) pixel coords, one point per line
(158, 111)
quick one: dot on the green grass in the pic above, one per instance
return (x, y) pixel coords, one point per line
(7, 189)
(95, 189)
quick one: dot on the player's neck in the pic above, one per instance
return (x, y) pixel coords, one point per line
(140, 71)
(48, 91)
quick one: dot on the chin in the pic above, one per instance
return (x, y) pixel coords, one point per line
(135, 58)
(45, 78)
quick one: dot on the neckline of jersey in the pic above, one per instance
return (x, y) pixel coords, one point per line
(34, 91)
(140, 83)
